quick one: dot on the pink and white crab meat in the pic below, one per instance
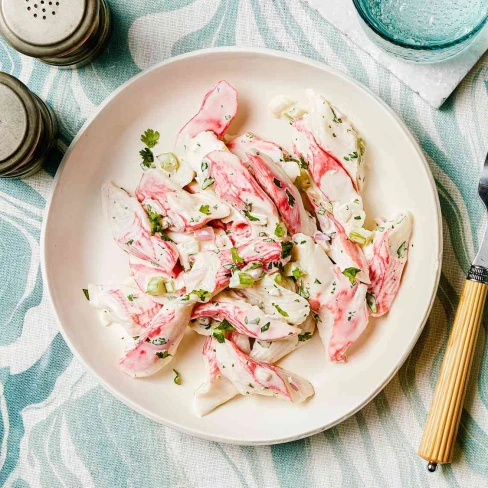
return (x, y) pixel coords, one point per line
(247, 319)
(234, 184)
(334, 294)
(387, 255)
(218, 109)
(132, 231)
(124, 305)
(157, 345)
(252, 377)
(186, 212)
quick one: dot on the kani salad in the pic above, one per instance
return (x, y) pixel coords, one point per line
(250, 245)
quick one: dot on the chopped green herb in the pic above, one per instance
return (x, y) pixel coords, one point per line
(250, 216)
(279, 231)
(321, 211)
(150, 138)
(147, 157)
(207, 182)
(371, 301)
(205, 209)
(129, 242)
(87, 295)
(155, 221)
(204, 166)
(277, 182)
(280, 310)
(401, 249)
(177, 378)
(317, 281)
(235, 256)
(304, 337)
(254, 265)
(291, 198)
(358, 217)
(335, 119)
(265, 327)
(303, 163)
(219, 335)
(131, 298)
(135, 338)
(163, 354)
(286, 248)
(351, 274)
(201, 294)
(225, 325)
(250, 385)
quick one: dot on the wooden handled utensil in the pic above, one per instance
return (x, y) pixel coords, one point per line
(442, 424)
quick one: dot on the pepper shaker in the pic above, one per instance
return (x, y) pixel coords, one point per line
(28, 129)
(63, 33)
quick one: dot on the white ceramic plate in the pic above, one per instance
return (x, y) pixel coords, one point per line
(78, 248)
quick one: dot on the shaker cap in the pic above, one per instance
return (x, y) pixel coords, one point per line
(20, 122)
(47, 27)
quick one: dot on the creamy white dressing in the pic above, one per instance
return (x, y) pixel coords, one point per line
(318, 268)
(266, 293)
(202, 274)
(105, 317)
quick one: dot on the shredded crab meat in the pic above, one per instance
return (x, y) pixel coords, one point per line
(223, 237)
(219, 107)
(132, 231)
(246, 319)
(186, 212)
(233, 183)
(157, 345)
(126, 305)
(331, 178)
(387, 255)
(252, 377)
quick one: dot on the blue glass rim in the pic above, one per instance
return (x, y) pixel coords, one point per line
(431, 47)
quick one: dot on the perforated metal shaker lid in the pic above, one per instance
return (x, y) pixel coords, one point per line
(47, 27)
(19, 121)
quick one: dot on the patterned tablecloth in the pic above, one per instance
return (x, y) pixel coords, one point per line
(59, 428)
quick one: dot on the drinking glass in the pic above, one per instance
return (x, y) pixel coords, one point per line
(423, 31)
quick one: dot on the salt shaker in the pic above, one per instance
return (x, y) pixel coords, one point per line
(28, 129)
(63, 33)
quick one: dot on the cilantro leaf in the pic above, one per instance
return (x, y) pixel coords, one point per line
(279, 231)
(87, 295)
(250, 216)
(277, 182)
(150, 138)
(225, 325)
(401, 250)
(201, 294)
(351, 274)
(304, 337)
(205, 209)
(163, 354)
(147, 157)
(291, 198)
(286, 248)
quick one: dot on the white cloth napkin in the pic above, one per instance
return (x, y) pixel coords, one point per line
(433, 82)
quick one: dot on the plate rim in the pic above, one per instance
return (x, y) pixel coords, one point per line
(290, 57)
